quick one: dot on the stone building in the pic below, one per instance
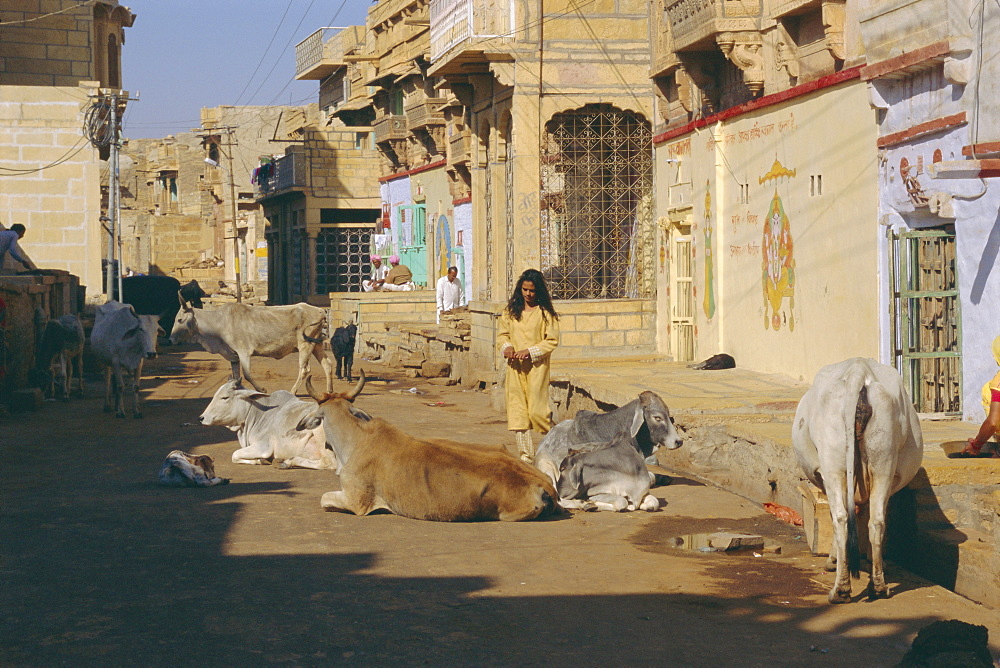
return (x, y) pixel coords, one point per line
(511, 139)
(930, 70)
(321, 198)
(57, 54)
(178, 203)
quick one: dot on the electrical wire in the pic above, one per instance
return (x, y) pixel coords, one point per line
(45, 16)
(263, 55)
(76, 148)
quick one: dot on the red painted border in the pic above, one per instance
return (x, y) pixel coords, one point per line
(463, 200)
(766, 101)
(415, 170)
(984, 148)
(937, 125)
(909, 59)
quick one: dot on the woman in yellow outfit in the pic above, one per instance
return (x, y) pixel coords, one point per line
(991, 402)
(529, 332)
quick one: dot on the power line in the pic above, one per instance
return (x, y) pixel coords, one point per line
(45, 16)
(79, 146)
(264, 54)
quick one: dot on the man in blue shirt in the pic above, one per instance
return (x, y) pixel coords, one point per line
(9, 245)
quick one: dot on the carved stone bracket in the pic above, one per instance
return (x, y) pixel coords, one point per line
(504, 72)
(685, 89)
(787, 58)
(743, 49)
(833, 26)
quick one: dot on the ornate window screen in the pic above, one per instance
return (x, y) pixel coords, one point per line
(596, 205)
(342, 258)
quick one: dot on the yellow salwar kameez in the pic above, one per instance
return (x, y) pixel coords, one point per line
(527, 381)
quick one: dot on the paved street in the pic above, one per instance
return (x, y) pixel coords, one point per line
(104, 567)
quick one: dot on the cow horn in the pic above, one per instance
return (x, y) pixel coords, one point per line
(350, 396)
(312, 392)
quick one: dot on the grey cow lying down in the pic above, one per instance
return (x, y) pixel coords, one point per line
(606, 476)
(645, 420)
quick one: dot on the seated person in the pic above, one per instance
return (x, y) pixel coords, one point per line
(991, 425)
(377, 279)
(399, 278)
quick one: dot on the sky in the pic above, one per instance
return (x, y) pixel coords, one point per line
(182, 55)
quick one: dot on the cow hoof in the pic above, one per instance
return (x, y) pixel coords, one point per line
(831, 564)
(284, 465)
(877, 592)
(224, 481)
(120, 415)
(839, 596)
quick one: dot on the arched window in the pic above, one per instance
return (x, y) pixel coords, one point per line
(114, 63)
(596, 205)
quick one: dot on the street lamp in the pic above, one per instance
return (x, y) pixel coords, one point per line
(236, 234)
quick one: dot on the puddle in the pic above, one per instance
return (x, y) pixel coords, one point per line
(730, 543)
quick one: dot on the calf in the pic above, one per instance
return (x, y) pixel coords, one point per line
(269, 427)
(381, 467)
(60, 350)
(183, 470)
(610, 476)
(647, 420)
(342, 342)
(120, 341)
(857, 437)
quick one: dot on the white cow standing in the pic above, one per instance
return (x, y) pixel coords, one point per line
(270, 428)
(857, 437)
(240, 331)
(120, 341)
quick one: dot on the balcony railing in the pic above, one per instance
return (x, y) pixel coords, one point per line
(460, 147)
(428, 111)
(320, 54)
(286, 172)
(457, 21)
(390, 127)
(695, 21)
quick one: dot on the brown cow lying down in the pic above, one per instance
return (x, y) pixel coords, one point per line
(183, 470)
(427, 479)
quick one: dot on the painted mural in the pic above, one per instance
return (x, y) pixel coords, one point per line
(444, 251)
(777, 258)
(709, 303)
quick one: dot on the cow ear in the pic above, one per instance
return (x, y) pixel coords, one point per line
(251, 395)
(132, 332)
(637, 419)
(309, 422)
(360, 414)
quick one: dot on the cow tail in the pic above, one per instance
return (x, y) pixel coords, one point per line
(857, 421)
(323, 335)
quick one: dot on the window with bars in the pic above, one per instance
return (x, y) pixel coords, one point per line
(596, 205)
(341, 258)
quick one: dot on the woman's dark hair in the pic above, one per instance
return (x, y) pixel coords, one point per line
(515, 306)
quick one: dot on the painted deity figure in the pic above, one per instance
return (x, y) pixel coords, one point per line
(778, 266)
(709, 303)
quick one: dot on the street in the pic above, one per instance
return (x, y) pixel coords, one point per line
(102, 566)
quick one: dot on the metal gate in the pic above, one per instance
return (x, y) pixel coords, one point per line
(341, 258)
(681, 298)
(926, 318)
(596, 205)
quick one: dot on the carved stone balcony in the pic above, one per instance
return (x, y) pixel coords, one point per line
(322, 53)
(469, 31)
(388, 128)
(426, 112)
(694, 24)
(460, 147)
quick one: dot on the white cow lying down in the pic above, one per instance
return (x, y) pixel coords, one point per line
(269, 428)
(857, 437)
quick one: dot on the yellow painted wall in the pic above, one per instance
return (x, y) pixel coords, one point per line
(825, 306)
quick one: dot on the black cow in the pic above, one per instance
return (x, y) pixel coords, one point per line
(157, 295)
(342, 342)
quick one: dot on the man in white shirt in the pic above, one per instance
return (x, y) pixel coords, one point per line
(379, 271)
(449, 292)
(10, 248)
